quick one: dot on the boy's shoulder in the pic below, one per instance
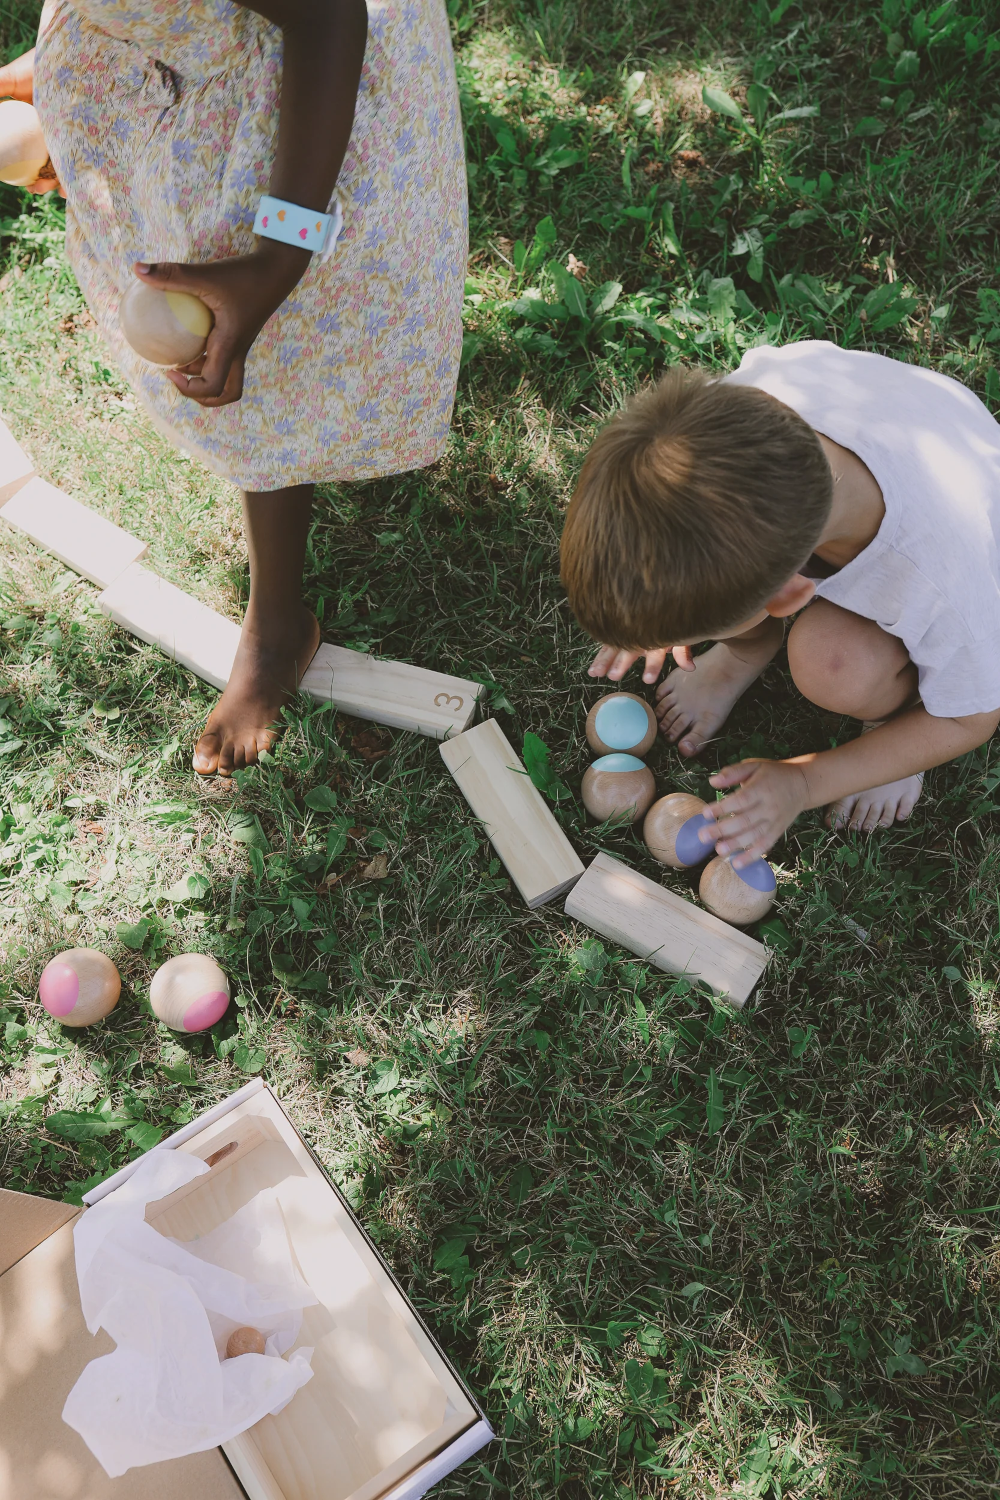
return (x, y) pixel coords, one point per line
(816, 374)
(853, 374)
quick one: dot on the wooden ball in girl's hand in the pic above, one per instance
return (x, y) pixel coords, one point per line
(79, 987)
(189, 992)
(671, 831)
(738, 896)
(617, 786)
(167, 328)
(621, 721)
(23, 152)
(244, 1341)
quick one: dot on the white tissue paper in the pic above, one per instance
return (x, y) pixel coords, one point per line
(167, 1390)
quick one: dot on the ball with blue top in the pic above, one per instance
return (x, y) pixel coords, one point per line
(621, 722)
(738, 896)
(671, 831)
(617, 786)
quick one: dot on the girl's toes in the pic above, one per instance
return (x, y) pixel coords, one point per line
(206, 755)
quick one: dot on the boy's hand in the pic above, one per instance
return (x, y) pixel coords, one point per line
(242, 293)
(613, 664)
(771, 795)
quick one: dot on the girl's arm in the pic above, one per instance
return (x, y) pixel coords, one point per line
(17, 78)
(772, 793)
(324, 48)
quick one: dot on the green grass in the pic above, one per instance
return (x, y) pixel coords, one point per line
(675, 1251)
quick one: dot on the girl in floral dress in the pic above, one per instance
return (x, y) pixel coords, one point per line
(166, 123)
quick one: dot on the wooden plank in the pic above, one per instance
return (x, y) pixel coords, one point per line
(16, 467)
(672, 933)
(74, 533)
(184, 629)
(392, 692)
(539, 857)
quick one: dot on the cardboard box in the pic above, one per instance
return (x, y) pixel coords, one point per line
(384, 1417)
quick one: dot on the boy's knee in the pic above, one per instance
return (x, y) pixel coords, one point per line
(829, 666)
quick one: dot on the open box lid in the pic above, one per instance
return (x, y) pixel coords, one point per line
(44, 1343)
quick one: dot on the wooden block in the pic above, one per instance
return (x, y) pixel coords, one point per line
(672, 933)
(392, 692)
(16, 467)
(183, 628)
(539, 857)
(74, 533)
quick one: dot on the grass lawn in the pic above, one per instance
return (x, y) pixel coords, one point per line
(676, 1251)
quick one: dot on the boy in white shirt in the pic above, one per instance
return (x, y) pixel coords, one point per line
(860, 494)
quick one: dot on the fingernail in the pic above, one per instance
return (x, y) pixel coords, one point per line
(145, 268)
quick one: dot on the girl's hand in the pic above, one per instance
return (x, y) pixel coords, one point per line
(771, 796)
(17, 81)
(613, 664)
(242, 293)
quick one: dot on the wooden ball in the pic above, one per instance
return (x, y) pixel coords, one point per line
(621, 721)
(23, 152)
(617, 786)
(671, 831)
(167, 328)
(189, 992)
(244, 1341)
(79, 987)
(738, 896)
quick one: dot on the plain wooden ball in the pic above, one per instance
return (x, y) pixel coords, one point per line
(617, 786)
(621, 721)
(738, 896)
(244, 1341)
(189, 992)
(167, 328)
(23, 152)
(79, 987)
(670, 831)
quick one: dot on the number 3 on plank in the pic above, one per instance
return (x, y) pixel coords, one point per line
(445, 700)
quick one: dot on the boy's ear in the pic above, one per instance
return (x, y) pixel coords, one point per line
(791, 597)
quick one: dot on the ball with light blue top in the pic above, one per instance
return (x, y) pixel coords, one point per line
(617, 786)
(621, 722)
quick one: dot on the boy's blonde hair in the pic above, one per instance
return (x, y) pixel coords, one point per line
(695, 505)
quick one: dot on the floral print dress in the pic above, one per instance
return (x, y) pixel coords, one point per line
(161, 118)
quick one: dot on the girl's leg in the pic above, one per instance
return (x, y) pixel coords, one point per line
(279, 636)
(850, 665)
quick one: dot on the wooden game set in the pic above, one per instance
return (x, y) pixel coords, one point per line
(609, 897)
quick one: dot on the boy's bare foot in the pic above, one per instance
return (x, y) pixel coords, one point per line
(270, 663)
(878, 808)
(693, 706)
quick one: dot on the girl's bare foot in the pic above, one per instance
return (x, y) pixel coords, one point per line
(878, 808)
(270, 662)
(693, 706)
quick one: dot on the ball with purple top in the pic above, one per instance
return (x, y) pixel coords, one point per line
(738, 896)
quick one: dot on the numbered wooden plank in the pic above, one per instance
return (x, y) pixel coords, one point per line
(74, 533)
(392, 692)
(16, 467)
(672, 933)
(184, 629)
(539, 857)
